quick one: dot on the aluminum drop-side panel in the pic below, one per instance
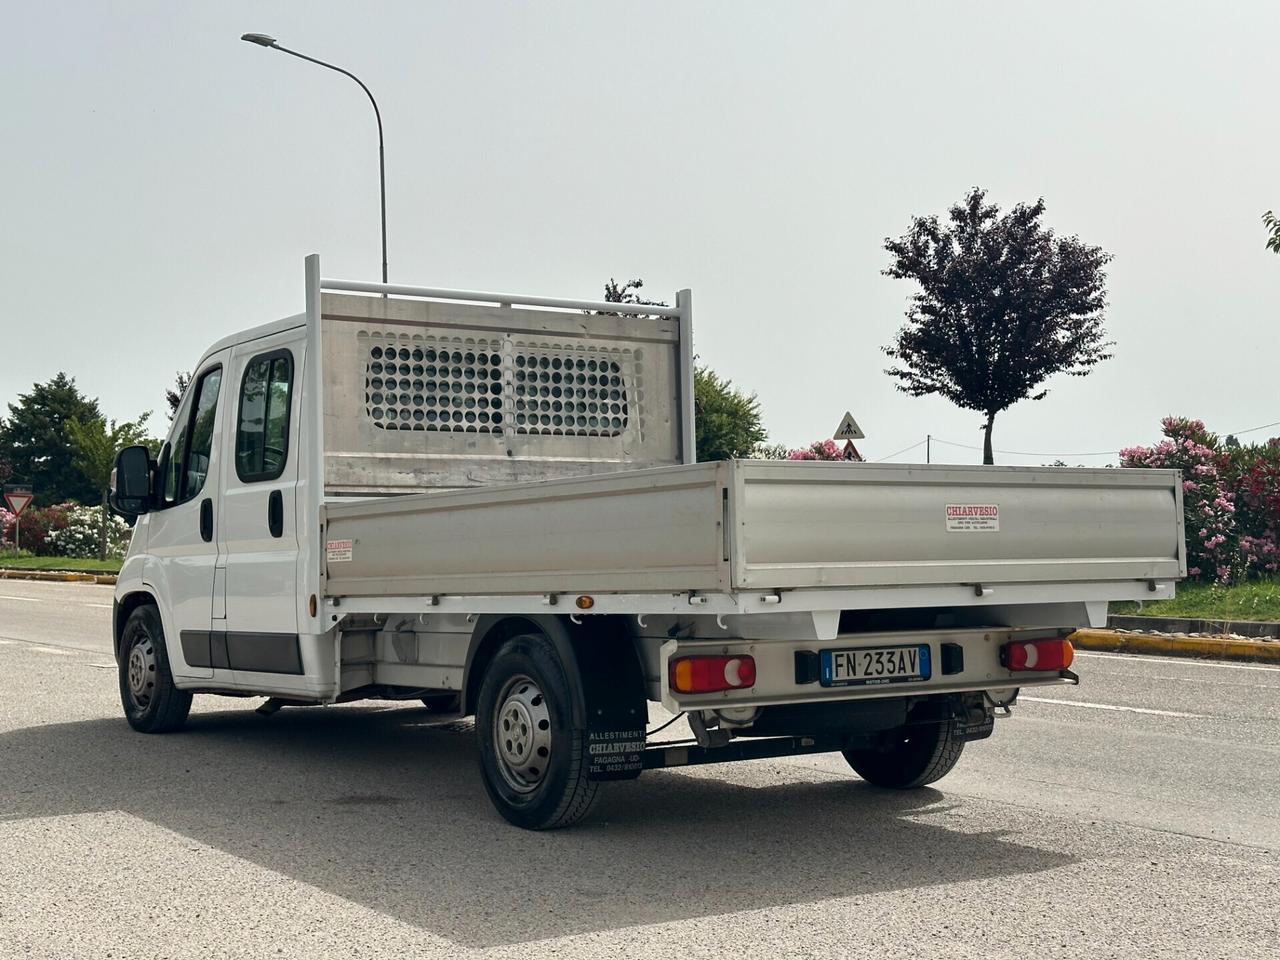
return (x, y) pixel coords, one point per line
(636, 531)
(839, 524)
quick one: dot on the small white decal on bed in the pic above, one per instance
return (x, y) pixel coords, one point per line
(973, 517)
(336, 550)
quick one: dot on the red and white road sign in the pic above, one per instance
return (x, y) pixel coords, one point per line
(17, 501)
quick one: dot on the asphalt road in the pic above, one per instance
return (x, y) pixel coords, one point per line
(1135, 816)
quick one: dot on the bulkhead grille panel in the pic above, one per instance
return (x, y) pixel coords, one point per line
(479, 386)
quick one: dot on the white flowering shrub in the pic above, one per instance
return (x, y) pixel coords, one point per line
(80, 537)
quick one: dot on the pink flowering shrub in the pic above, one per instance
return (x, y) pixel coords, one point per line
(1231, 499)
(818, 450)
(37, 524)
(1254, 474)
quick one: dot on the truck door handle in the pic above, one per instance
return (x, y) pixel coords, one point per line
(206, 519)
(275, 514)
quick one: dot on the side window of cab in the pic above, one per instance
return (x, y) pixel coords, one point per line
(190, 447)
(262, 429)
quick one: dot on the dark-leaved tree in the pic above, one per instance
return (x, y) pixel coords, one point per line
(726, 421)
(34, 441)
(1003, 304)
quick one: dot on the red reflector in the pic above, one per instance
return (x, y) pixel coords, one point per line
(1037, 654)
(710, 674)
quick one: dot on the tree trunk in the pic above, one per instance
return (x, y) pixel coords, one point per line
(106, 519)
(987, 458)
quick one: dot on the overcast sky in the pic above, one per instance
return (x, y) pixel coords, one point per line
(162, 182)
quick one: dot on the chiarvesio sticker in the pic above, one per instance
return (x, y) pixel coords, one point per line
(973, 517)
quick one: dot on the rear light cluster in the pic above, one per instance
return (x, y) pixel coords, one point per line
(1037, 655)
(710, 674)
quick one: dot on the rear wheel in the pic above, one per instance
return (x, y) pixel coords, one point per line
(908, 757)
(152, 704)
(532, 756)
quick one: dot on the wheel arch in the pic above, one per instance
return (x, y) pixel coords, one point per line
(492, 630)
(122, 607)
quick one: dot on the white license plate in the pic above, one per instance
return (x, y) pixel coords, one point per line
(858, 666)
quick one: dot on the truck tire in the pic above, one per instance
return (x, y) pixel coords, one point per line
(152, 704)
(533, 758)
(911, 756)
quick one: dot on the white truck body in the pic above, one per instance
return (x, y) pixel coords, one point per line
(354, 501)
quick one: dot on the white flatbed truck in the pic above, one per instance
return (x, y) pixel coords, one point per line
(489, 504)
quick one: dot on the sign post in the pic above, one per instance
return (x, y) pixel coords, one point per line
(18, 496)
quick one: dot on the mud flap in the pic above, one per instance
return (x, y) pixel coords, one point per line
(614, 697)
(973, 729)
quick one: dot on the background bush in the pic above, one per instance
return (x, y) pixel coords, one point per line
(1231, 499)
(37, 524)
(80, 535)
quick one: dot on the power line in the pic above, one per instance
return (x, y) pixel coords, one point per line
(1236, 433)
(1023, 453)
(918, 443)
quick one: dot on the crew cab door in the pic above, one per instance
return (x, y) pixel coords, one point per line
(182, 542)
(259, 530)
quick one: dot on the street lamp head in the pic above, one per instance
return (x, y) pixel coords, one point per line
(261, 39)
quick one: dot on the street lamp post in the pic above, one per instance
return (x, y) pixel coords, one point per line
(262, 40)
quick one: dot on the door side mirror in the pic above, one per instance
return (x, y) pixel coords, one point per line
(131, 481)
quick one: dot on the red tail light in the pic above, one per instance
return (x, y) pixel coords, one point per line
(701, 674)
(1037, 655)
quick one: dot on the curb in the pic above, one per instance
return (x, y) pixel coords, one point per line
(57, 576)
(1112, 642)
(1251, 629)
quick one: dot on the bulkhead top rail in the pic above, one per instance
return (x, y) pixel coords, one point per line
(500, 299)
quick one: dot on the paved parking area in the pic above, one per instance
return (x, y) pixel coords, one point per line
(1134, 816)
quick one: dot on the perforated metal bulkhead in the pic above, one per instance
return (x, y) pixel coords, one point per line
(457, 385)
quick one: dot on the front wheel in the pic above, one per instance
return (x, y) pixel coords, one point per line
(152, 703)
(532, 756)
(909, 756)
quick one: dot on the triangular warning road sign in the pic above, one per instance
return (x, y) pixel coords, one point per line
(849, 429)
(17, 502)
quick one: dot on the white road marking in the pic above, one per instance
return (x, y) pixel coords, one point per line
(78, 603)
(54, 650)
(1112, 706)
(1233, 682)
(1182, 661)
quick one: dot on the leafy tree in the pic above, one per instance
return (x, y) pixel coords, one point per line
(94, 443)
(173, 396)
(34, 442)
(1272, 223)
(726, 421)
(1003, 304)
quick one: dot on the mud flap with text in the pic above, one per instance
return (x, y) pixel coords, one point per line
(614, 695)
(970, 729)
